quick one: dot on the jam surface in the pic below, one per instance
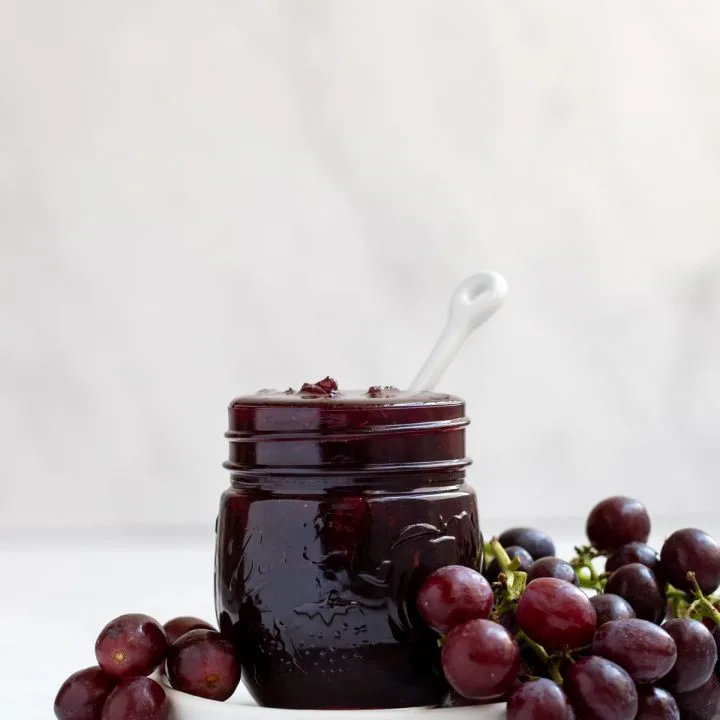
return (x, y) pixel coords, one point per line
(324, 539)
(328, 389)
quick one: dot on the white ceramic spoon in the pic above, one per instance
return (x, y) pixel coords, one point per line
(474, 302)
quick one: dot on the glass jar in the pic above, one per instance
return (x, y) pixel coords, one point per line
(339, 508)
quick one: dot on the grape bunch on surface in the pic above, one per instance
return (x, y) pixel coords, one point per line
(561, 640)
(197, 659)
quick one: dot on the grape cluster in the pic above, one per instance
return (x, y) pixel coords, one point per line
(196, 658)
(562, 641)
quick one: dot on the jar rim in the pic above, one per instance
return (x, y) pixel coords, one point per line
(297, 434)
(255, 416)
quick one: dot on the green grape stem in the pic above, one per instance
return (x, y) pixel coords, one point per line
(587, 582)
(515, 579)
(702, 606)
(678, 602)
(542, 653)
(583, 560)
(555, 672)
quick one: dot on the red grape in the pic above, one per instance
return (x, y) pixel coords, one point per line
(553, 567)
(480, 659)
(634, 552)
(691, 550)
(600, 690)
(640, 587)
(556, 614)
(131, 645)
(178, 626)
(701, 703)
(611, 607)
(536, 542)
(453, 595)
(492, 571)
(203, 663)
(138, 698)
(538, 700)
(715, 630)
(616, 521)
(643, 649)
(654, 703)
(696, 655)
(83, 694)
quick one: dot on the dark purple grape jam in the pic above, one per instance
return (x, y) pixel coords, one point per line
(340, 505)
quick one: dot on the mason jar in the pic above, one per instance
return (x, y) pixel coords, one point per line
(339, 506)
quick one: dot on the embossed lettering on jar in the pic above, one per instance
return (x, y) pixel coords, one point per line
(340, 506)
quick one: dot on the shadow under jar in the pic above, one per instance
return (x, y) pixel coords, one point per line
(339, 508)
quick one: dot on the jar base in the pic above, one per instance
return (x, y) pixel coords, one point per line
(364, 690)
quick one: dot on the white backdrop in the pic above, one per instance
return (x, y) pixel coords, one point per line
(199, 198)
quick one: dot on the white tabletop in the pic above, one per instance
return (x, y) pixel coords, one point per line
(58, 595)
(60, 590)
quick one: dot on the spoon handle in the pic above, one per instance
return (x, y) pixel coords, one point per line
(444, 352)
(474, 302)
